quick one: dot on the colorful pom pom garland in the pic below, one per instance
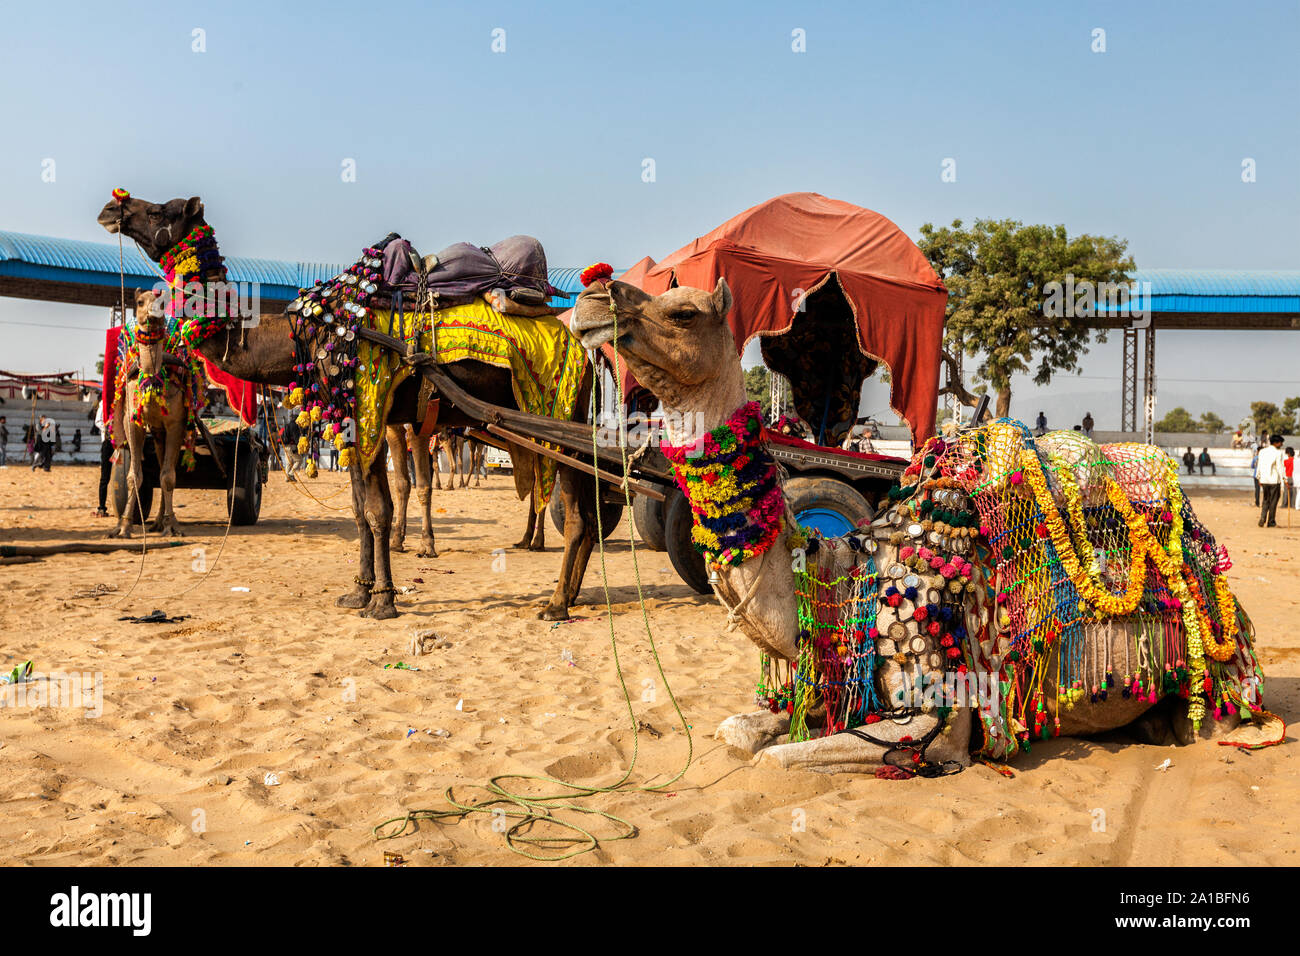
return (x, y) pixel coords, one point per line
(731, 483)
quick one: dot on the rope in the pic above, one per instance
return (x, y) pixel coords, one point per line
(528, 810)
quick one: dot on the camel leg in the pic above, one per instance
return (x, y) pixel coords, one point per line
(754, 731)
(579, 525)
(135, 437)
(169, 452)
(586, 495)
(379, 516)
(846, 753)
(396, 438)
(452, 445)
(359, 596)
(424, 463)
(477, 463)
(529, 530)
(434, 450)
(537, 524)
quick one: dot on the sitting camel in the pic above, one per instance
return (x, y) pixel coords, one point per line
(948, 584)
(151, 401)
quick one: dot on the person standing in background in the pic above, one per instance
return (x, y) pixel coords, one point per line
(4, 440)
(1271, 476)
(1254, 472)
(105, 460)
(1040, 426)
(1288, 466)
(1087, 424)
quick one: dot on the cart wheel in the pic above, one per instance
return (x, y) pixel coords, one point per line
(244, 496)
(117, 482)
(648, 516)
(688, 562)
(832, 507)
(611, 513)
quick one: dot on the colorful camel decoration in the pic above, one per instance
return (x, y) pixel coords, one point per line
(1008, 590)
(270, 350)
(159, 391)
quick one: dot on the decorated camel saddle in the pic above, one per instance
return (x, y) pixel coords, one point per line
(1008, 589)
(486, 305)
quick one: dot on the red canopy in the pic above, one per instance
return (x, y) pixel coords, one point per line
(800, 241)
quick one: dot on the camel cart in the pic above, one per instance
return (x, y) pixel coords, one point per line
(830, 291)
(229, 456)
(826, 486)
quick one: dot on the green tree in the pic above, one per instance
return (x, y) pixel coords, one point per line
(1178, 420)
(1212, 423)
(758, 387)
(1269, 419)
(998, 274)
(99, 365)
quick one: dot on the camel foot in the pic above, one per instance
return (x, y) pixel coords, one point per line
(427, 550)
(358, 597)
(553, 613)
(754, 731)
(167, 529)
(380, 608)
(539, 545)
(520, 545)
(122, 532)
(397, 544)
(845, 753)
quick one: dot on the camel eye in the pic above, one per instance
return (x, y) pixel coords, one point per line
(682, 316)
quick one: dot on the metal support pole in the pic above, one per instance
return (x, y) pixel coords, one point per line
(1149, 382)
(1129, 386)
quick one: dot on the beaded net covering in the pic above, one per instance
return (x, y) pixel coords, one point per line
(1033, 577)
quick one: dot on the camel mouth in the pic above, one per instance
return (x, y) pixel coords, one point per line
(111, 225)
(593, 322)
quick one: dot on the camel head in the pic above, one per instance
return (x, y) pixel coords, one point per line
(156, 227)
(148, 310)
(677, 344)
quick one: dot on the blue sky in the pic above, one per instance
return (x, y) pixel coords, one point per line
(455, 142)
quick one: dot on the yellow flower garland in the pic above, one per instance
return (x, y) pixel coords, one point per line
(1168, 559)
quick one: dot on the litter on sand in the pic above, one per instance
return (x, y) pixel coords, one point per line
(244, 590)
(155, 617)
(1166, 765)
(18, 675)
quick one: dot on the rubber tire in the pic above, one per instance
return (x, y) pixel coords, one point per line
(117, 487)
(648, 516)
(687, 561)
(244, 497)
(803, 493)
(611, 513)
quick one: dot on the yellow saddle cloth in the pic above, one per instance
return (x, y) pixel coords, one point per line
(545, 362)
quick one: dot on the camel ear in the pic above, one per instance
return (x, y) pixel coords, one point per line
(722, 298)
(193, 207)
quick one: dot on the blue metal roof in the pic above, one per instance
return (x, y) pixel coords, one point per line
(96, 263)
(1217, 290)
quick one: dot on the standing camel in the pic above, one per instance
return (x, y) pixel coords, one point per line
(402, 439)
(680, 346)
(264, 352)
(152, 402)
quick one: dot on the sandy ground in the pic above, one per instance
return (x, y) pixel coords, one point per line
(277, 680)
